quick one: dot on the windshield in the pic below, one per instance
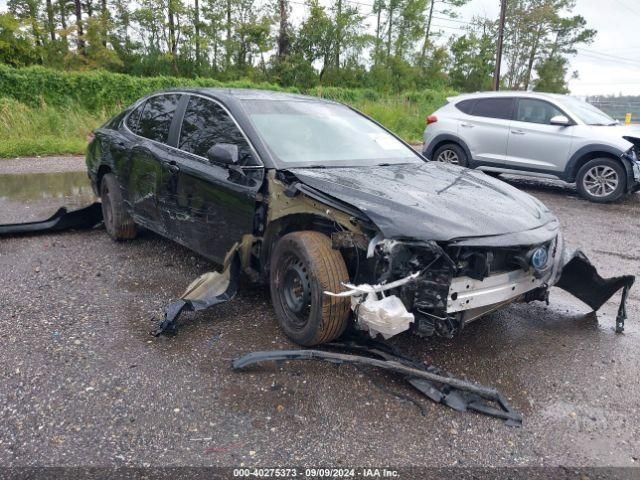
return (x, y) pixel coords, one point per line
(310, 133)
(587, 112)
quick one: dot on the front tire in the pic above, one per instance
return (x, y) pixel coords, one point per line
(451, 153)
(601, 180)
(303, 267)
(117, 221)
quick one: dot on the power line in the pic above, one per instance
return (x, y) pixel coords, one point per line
(608, 55)
(635, 12)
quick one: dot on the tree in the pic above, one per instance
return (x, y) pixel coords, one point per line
(536, 31)
(474, 57)
(16, 48)
(552, 74)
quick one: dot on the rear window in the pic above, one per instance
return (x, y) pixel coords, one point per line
(157, 116)
(466, 106)
(114, 123)
(133, 119)
(494, 108)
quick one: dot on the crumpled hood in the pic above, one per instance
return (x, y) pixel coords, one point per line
(430, 201)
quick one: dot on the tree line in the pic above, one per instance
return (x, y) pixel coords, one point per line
(391, 45)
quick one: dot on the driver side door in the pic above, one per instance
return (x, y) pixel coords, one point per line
(213, 205)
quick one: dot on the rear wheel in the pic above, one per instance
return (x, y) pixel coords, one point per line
(303, 267)
(117, 221)
(601, 180)
(451, 153)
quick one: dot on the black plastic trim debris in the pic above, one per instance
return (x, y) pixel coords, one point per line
(83, 218)
(453, 392)
(582, 280)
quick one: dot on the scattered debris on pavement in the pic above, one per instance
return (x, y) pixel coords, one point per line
(439, 387)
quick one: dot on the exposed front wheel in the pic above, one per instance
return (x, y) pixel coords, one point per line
(117, 221)
(303, 267)
(451, 153)
(601, 180)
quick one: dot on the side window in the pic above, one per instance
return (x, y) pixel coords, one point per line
(156, 117)
(133, 119)
(206, 123)
(536, 111)
(466, 106)
(494, 108)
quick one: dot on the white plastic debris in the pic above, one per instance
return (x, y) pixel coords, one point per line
(364, 288)
(387, 316)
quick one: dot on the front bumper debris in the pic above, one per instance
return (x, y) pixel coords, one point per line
(83, 218)
(581, 279)
(207, 290)
(439, 387)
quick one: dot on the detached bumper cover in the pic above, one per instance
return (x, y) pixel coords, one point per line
(83, 218)
(581, 279)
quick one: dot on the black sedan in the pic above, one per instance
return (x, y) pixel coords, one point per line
(341, 218)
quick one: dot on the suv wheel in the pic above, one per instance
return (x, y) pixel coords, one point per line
(303, 267)
(117, 221)
(601, 180)
(451, 153)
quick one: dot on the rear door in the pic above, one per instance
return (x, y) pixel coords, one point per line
(214, 205)
(535, 144)
(486, 128)
(150, 160)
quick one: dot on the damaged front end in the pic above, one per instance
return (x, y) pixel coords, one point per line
(436, 289)
(632, 163)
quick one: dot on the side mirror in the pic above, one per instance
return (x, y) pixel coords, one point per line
(223, 153)
(560, 120)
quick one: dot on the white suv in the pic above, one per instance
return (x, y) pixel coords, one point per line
(537, 134)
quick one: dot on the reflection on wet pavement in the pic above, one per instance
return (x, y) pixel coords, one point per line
(33, 196)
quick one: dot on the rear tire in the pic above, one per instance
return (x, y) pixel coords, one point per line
(601, 180)
(303, 267)
(451, 153)
(117, 221)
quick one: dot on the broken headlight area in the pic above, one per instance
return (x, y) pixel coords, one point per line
(436, 290)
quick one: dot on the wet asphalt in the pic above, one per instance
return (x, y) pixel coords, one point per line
(83, 383)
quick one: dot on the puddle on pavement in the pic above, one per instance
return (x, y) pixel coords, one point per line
(36, 196)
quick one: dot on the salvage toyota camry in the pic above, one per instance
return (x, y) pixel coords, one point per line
(341, 218)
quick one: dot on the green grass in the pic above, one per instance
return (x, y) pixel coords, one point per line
(44, 130)
(38, 124)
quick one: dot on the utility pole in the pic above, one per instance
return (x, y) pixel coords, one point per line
(496, 73)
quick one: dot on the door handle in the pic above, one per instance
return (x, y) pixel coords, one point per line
(517, 132)
(466, 125)
(172, 166)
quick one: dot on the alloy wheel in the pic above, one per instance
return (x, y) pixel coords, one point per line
(448, 156)
(600, 181)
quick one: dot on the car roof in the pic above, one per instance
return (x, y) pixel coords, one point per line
(508, 93)
(248, 94)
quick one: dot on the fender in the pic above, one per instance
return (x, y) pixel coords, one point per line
(446, 137)
(571, 169)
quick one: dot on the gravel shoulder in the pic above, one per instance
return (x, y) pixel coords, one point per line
(83, 383)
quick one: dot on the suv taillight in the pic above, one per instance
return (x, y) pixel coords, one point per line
(431, 119)
(90, 137)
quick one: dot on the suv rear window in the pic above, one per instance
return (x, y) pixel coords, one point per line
(494, 108)
(157, 116)
(466, 106)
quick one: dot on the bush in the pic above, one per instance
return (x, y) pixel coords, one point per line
(44, 111)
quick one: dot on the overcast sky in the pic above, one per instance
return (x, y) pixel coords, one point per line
(610, 65)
